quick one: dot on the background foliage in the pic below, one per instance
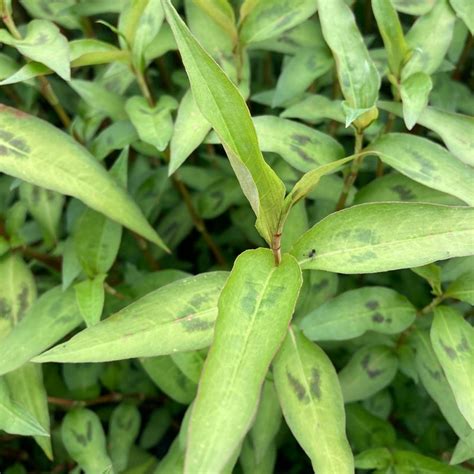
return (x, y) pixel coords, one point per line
(121, 217)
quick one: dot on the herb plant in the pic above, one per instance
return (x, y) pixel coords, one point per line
(236, 236)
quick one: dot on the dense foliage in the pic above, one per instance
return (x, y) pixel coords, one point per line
(236, 236)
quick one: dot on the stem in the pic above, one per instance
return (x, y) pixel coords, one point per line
(112, 397)
(143, 84)
(352, 176)
(430, 307)
(276, 248)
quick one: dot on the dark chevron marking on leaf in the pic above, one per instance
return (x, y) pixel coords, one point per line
(5, 308)
(450, 352)
(372, 373)
(298, 388)
(378, 318)
(89, 430)
(80, 438)
(372, 304)
(22, 301)
(321, 285)
(13, 145)
(196, 324)
(300, 139)
(312, 253)
(404, 193)
(436, 374)
(302, 154)
(463, 346)
(315, 384)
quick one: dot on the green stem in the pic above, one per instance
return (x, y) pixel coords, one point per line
(430, 307)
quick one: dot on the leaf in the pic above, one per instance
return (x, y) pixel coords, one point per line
(14, 418)
(263, 19)
(123, 431)
(249, 462)
(465, 10)
(414, 7)
(358, 76)
(45, 44)
(49, 319)
(180, 316)
(432, 274)
(223, 106)
(222, 12)
(312, 403)
(170, 380)
(256, 304)
(392, 34)
(83, 437)
(377, 458)
(88, 52)
(26, 147)
(429, 39)
(90, 299)
(25, 73)
(153, 124)
(464, 450)
(427, 163)
(354, 312)
(453, 342)
(414, 92)
(190, 363)
(370, 370)
(462, 288)
(362, 239)
(314, 108)
(190, 129)
(410, 462)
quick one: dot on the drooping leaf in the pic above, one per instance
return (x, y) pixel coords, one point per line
(354, 312)
(256, 304)
(180, 316)
(312, 403)
(224, 107)
(453, 342)
(362, 239)
(26, 147)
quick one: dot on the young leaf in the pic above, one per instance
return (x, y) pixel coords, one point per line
(358, 76)
(49, 319)
(354, 312)
(462, 288)
(84, 439)
(362, 239)
(427, 163)
(178, 317)
(255, 308)
(370, 370)
(90, 299)
(453, 342)
(26, 147)
(414, 92)
(223, 106)
(312, 403)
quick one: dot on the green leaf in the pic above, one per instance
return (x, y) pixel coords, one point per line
(84, 439)
(453, 342)
(429, 39)
(88, 52)
(370, 370)
(190, 363)
(224, 107)
(153, 124)
(249, 462)
(413, 7)
(462, 288)
(45, 44)
(376, 458)
(414, 92)
(427, 163)
(410, 462)
(222, 12)
(354, 312)
(358, 76)
(170, 380)
(25, 73)
(314, 108)
(255, 308)
(26, 147)
(14, 418)
(464, 450)
(90, 299)
(180, 316)
(392, 34)
(263, 19)
(49, 319)
(465, 10)
(312, 403)
(432, 274)
(123, 431)
(362, 239)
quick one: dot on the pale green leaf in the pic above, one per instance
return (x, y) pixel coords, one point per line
(464, 450)
(190, 363)
(462, 288)
(37, 152)
(312, 403)
(453, 342)
(354, 312)
(370, 370)
(432, 274)
(177, 317)
(413, 7)
(222, 12)
(255, 308)
(414, 92)
(25, 73)
(408, 462)
(88, 52)
(465, 10)
(251, 465)
(314, 108)
(90, 296)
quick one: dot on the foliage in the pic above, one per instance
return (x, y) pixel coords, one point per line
(236, 236)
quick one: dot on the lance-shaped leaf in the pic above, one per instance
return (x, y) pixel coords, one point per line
(358, 76)
(427, 163)
(255, 308)
(363, 239)
(312, 403)
(370, 370)
(49, 319)
(177, 317)
(465, 10)
(409, 461)
(392, 34)
(35, 151)
(456, 130)
(453, 342)
(414, 92)
(265, 19)
(354, 312)
(90, 295)
(224, 107)
(84, 439)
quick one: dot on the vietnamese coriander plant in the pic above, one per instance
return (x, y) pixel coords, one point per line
(236, 236)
